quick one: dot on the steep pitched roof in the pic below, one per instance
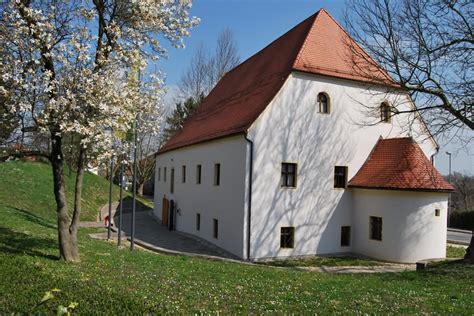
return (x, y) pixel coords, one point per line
(399, 164)
(317, 45)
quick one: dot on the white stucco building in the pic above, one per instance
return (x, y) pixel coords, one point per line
(295, 152)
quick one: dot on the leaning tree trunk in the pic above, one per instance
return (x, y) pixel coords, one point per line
(470, 250)
(68, 249)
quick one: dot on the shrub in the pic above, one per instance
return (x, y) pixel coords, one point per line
(462, 220)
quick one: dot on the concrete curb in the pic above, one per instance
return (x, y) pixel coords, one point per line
(460, 231)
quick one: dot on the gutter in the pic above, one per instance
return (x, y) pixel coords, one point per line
(249, 211)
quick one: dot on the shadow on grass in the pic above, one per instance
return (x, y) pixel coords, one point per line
(16, 243)
(33, 218)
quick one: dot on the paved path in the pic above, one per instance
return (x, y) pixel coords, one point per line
(459, 236)
(150, 234)
(364, 269)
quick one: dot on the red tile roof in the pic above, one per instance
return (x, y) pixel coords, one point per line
(399, 164)
(317, 45)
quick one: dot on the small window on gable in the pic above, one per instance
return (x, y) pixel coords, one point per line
(288, 175)
(287, 237)
(198, 221)
(385, 113)
(437, 212)
(323, 103)
(340, 177)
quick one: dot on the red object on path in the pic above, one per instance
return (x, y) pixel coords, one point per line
(106, 221)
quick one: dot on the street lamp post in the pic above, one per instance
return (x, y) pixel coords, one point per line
(449, 180)
(134, 185)
(119, 239)
(111, 178)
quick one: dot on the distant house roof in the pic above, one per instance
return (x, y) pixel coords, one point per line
(318, 45)
(399, 164)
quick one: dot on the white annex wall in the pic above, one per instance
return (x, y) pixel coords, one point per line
(225, 202)
(292, 130)
(410, 229)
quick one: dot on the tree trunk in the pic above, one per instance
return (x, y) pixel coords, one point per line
(470, 250)
(140, 188)
(68, 249)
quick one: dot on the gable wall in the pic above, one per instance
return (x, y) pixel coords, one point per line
(226, 202)
(292, 130)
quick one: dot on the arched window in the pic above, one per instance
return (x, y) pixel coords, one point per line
(385, 112)
(323, 102)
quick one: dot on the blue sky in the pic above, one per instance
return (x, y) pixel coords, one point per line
(256, 23)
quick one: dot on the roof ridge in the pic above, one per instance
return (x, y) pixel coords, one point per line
(261, 51)
(384, 72)
(303, 46)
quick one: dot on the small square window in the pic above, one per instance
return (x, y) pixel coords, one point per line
(217, 174)
(287, 237)
(437, 212)
(198, 174)
(215, 232)
(198, 221)
(183, 174)
(376, 228)
(340, 177)
(288, 175)
(345, 236)
(385, 113)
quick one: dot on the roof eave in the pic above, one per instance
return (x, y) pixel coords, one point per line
(436, 190)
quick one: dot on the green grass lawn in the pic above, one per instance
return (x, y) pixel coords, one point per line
(112, 281)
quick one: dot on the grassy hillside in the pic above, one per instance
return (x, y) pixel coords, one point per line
(28, 187)
(116, 281)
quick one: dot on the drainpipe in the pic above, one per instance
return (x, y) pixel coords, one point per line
(249, 211)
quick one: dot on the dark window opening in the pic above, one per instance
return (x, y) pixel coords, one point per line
(287, 237)
(345, 236)
(376, 228)
(323, 103)
(340, 176)
(216, 228)
(288, 175)
(198, 174)
(385, 113)
(198, 221)
(164, 175)
(159, 174)
(172, 181)
(183, 174)
(437, 212)
(217, 174)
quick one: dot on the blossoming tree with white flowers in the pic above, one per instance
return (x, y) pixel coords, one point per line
(65, 66)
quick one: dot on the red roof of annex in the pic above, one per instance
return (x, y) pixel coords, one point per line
(399, 164)
(318, 45)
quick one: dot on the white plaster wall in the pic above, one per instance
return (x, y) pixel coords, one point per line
(292, 130)
(410, 229)
(226, 202)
